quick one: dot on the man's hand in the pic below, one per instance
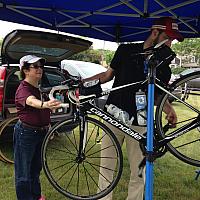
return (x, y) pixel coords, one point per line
(170, 114)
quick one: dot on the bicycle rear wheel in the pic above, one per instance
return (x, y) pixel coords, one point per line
(74, 176)
(186, 145)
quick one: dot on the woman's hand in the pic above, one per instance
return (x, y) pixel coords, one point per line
(52, 104)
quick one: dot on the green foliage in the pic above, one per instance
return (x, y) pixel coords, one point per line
(89, 55)
(177, 70)
(96, 56)
(108, 56)
(190, 46)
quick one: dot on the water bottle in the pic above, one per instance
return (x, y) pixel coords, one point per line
(59, 98)
(119, 114)
(141, 102)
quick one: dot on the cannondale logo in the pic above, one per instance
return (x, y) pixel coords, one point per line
(116, 123)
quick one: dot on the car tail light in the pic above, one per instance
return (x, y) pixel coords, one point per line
(2, 79)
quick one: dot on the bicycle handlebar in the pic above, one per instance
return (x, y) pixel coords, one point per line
(73, 94)
(58, 88)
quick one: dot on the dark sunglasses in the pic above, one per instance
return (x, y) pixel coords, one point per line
(36, 66)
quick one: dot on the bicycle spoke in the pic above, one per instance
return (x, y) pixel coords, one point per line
(198, 140)
(71, 177)
(75, 146)
(106, 148)
(54, 148)
(92, 176)
(61, 165)
(78, 180)
(85, 171)
(89, 138)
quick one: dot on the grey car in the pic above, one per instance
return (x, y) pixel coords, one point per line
(194, 83)
(53, 47)
(183, 91)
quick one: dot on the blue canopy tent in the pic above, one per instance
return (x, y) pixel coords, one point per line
(113, 20)
(110, 20)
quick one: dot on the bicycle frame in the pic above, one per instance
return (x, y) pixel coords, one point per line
(83, 100)
(89, 107)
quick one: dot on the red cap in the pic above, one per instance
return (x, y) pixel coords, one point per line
(169, 26)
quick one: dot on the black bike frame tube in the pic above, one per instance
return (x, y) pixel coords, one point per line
(177, 133)
(114, 122)
(183, 102)
(82, 131)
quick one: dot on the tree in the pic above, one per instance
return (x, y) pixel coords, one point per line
(177, 70)
(89, 56)
(95, 56)
(108, 56)
(189, 46)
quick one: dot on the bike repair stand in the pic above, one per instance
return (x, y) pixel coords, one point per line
(198, 173)
(150, 129)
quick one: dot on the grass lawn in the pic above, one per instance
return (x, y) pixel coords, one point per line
(173, 180)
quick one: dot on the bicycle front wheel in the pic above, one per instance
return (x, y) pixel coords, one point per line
(76, 175)
(186, 145)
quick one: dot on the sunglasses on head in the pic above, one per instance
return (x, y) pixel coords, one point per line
(37, 66)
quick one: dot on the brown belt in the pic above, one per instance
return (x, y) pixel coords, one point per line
(43, 128)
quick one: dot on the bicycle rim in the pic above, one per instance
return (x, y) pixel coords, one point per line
(187, 145)
(6, 138)
(77, 177)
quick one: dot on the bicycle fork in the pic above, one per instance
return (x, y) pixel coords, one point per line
(83, 139)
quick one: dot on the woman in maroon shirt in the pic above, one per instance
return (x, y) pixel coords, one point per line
(29, 132)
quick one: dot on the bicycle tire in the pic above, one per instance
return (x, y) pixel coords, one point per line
(1, 158)
(185, 147)
(60, 160)
(6, 138)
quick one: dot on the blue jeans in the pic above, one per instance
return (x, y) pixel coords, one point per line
(27, 158)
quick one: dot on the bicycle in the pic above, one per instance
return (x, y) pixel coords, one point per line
(73, 162)
(6, 139)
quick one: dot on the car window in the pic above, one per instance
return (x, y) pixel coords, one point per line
(12, 83)
(187, 71)
(36, 49)
(51, 79)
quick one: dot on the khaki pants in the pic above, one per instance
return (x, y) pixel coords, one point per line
(136, 183)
